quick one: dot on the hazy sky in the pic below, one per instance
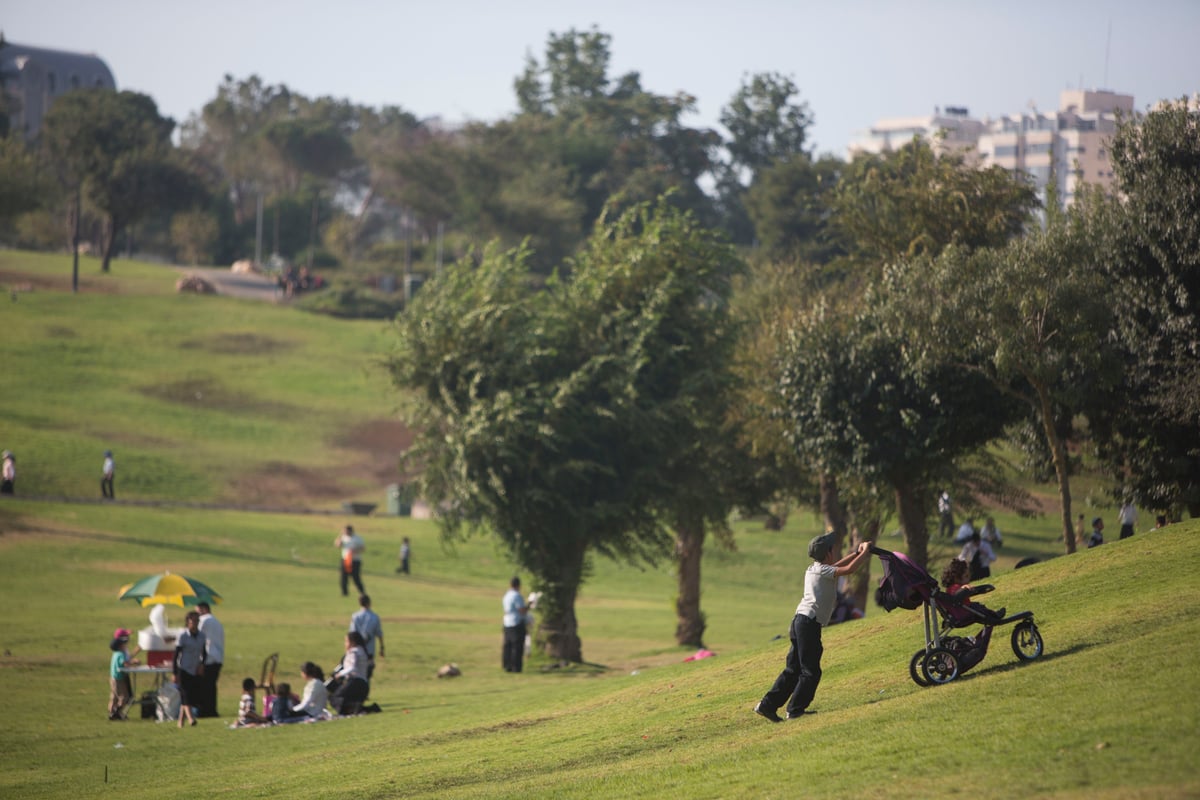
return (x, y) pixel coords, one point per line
(854, 61)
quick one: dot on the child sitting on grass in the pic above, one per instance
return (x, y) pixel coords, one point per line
(246, 713)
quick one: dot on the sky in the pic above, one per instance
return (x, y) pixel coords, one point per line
(854, 61)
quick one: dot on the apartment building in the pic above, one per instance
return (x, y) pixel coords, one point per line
(1068, 144)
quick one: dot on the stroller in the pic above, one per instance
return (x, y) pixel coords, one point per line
(946, 655)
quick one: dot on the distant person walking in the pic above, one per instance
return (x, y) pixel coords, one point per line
(352, 549)
(797, 683)
(108, 471)
(189, 662)
(8, 473)
(1097, 536)
(945, 514)
(515, 610)
(1127, 516)
(405, 554)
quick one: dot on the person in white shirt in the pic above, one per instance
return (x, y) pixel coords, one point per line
(351, 675)
(991, 534)
(515, 610)
(214, 657)
(965, 531)
(1127, 516)
(979, 555)
(315, 698)
(797, 683)
(106, 477)
(352, 548)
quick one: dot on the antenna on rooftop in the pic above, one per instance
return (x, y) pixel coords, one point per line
(1107, 47)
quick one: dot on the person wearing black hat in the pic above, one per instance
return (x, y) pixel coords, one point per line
(797, 683)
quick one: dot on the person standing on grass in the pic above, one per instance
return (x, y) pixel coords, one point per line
(797, 683)
(405, 553)
(366, 624)
(108, 471)
(1127, 516)
(8, 473)
(120, 690)
(352, 548)
(514, 627)
(189, 664)
(214, 658)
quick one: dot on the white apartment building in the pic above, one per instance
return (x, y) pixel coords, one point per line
(1069, 144)
(948, 129)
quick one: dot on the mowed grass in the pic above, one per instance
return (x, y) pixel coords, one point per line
(211, 400)
(202, 398)
(1111, 710)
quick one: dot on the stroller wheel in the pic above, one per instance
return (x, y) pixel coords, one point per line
(940, 666)
(1026, 640)
(914, 668)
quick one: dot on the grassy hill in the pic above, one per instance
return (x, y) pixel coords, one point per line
(1111, 710)
(220, 401)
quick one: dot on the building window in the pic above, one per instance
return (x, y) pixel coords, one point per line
(1006, 151)
(74, 80)
(51, 82)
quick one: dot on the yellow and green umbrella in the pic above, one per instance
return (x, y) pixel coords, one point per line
(168, 589)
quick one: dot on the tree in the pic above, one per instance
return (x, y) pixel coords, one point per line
(552, 415)
(791, 203)
(857, 405)
(768, 129)
(766, 125)
(1034, 318)
(1149, 432)
(116, 149)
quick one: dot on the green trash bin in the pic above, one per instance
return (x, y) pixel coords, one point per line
(398, 504)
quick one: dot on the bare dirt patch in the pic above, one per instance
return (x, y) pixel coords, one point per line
(229, 343)
(279, 484)
(379, 444)
(209, 393)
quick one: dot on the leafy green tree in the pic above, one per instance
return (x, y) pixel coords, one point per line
(768, 131)
(766, 125)
(914, 201)
(552, 415)
(1149, 429)
(857, 405)
(116, 149)
(21, 189)
(1035, 318)
(791, 203)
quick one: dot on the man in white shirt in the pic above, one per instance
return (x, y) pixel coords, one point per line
(514, 627)
(352, 548)
(214, 657)
(1128, 518)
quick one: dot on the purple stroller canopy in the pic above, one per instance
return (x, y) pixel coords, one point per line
(904, 584)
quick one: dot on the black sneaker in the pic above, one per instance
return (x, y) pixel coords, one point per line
(1000, 612)
(798, 714)
(768, 713)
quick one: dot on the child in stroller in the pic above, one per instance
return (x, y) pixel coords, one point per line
(956, 606)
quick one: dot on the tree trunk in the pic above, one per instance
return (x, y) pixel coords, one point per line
(832, 511)
(1059, 453)
(860, 582)
(911, 511)
(689, 548)
(108, 241)
(76, 213)
(558, 629)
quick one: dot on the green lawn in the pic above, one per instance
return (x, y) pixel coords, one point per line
(212, 401)
(1110, 710)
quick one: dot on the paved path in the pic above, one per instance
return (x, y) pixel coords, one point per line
(246, 285)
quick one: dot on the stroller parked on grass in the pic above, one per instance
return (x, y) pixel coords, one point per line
(945, 657)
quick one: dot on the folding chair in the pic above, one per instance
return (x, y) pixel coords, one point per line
(266, 681)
